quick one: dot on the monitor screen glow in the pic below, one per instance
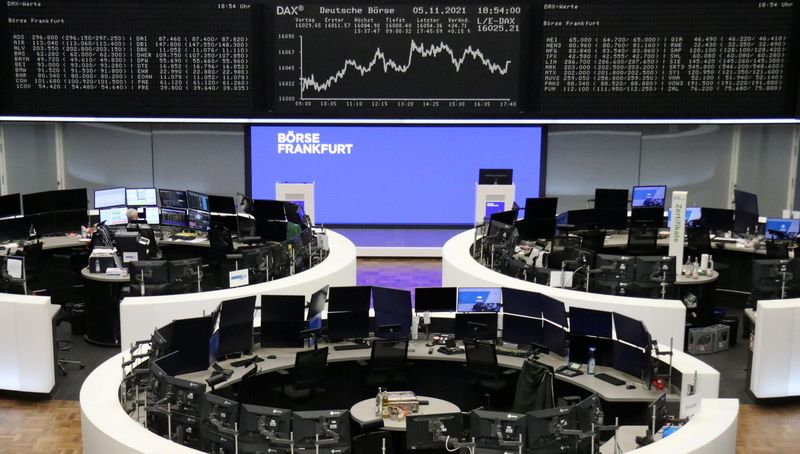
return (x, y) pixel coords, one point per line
(114, 216)
(104, 198)
(788, 227)
(141, 197)
(478, 299)
(649, 196)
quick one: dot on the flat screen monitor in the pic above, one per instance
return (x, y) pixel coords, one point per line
(649, 196)
(445, 157)
(717, 219)
(221, 204)
(521, 302)
(495, 429)
(508, 217)
(579, 349)
(10, 205)
(553, 310)
(269, 210)
(746, 202)
(425, 432)
(113, 197)
(619, 268)
(693, 216)
(282, 319)
(254, 419)
(172, 198)
(650, 216)
(233, 331)
(151, 215)
(479, 299)
(70, 199)
(521, 330)
(553, 337)
(199, 220)
(348, 325)
(189, 338)
(148, 271)
(294, 212)
(544, 430)
(631, 330)
(37, 202)
(139, 197)
(329, 427)
(495, 176)
(611, 199)
(589, 322)
(61, 222)
(744, 221)
(629, 359)
(655, 268)
(435, 299)
(114, 216)
(392, 312)
(197, 201)
(540, 207)
(776, 228)
(343, 299)
(224, 411)
(315, 308)
(174, 218)
(476, 326)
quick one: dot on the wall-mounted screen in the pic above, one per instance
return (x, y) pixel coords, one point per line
(393, 174)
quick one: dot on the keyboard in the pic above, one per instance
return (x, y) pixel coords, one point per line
(351, 347)
(609, 379)
(504, 351)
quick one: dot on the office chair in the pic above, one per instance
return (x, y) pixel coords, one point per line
(307, 373)
(561, 249)
(33, 258)
(593, 240)
(777, 250)
(484, 372)
(387, 362)
(642, 241)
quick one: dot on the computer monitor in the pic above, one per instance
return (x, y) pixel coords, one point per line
(693, 216)
(479, 299)
(70, 199)
(148, 272)
(329, 427)
(112, 197)
(778, 229)
(189, 338)
(540, 207)
(347, 325)
(553, 310)
(649, 196)
(553, 337)
(649, 216)
(495, 176)
(139, 197)
(521, 302)
(579, 346)
(431, 431)
(717, 219)
(354, 298)
(656, 414)
(282, 320)
(222, 411)
(315, 308)
(521, 330)
(130, 248)
(620, 268)
(197, 201)
(775, 278)
(174, 218)
(589, 322)
(744, 222)
(629, 359)
(392, 312)
(294, 212)
(233, 328)
(476, 326)
(199, 220)
(221, 204)
(151, 215)
(496, 429)
(656, 268)
(631, 330)
(264, 427)
(64, 221)
(114, 216)
(543, 430)
(435, 299)
(508, 217)
(746, 202)
(611, 199)
(172, 198)
(269, 210)
(10, 205)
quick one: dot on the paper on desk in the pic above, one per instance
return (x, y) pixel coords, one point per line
(14, 267)
(196, 240)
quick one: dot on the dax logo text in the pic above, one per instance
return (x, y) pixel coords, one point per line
(288, 10)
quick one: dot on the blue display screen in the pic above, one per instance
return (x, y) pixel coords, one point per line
(789, 228)
(693, 214)
(479, 299)
(648, 196)
(393, 174)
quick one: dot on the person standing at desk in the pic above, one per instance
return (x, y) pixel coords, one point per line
(145, 230)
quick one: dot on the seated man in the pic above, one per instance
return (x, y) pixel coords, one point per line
(145, 231)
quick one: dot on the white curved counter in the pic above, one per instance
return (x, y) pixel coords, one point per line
(664, 319)
(139, 316)
(27, 361)
(711, 431)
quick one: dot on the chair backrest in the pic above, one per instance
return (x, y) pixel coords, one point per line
(777, 250)
(388, 354)
(220, 240)
(698, 239)
(642, 241)
(481, 358)
(33, 256)
(593, 240)
(309, 367)
(561, 249)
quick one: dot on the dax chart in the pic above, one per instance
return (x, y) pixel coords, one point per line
(391, 59)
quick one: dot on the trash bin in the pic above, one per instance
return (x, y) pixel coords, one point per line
(78, 319)
(733, 324)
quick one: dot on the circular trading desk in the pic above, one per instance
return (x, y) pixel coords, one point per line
(364, 411)
(140, 314)
(101, 307)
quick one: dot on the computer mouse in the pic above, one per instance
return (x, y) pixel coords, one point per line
(430, 351)
(630, 387)
(271, 357)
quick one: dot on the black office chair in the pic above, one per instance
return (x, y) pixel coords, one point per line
(387, 362)
(561, 249)
(777, 250)
(593, 240)
(308, 372)
(484, 373)
(642, 241)
(33, 259)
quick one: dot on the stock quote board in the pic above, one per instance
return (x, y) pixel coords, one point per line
(534, 59)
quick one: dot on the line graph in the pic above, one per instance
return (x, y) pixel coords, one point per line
(381, 60)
